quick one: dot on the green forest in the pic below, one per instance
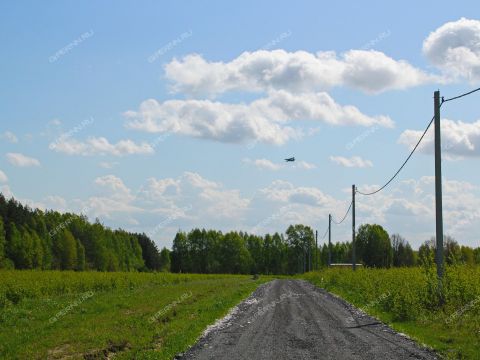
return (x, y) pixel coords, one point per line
(49, 240)
(34, 239)
(210, 251)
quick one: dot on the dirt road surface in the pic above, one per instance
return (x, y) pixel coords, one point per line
(292, 319)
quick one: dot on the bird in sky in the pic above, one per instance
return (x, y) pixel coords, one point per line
(290, 159)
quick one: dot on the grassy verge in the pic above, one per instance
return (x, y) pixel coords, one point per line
(52, 315)
(407, 300)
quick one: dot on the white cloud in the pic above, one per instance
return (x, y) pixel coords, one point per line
(354, 161)
(208, 199)
(56, 202)
(455, 49)
(459, 139)
(284, 191)
(9, 136)
(265, 119)
(6, 191)
(114, 187)
(305, 165)
(408, 208)
(99, 146)
(300, 71)
(264, 164)
(3, 177)
(21, 160)
(167, 205)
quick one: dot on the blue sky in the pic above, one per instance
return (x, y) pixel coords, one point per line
(156, 117)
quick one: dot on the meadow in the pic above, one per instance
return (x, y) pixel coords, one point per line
(93, 315)
(408, 299)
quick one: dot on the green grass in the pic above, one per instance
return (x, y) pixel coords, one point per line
(106, 313)
(407, 300)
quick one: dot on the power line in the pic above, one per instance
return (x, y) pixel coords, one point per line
(460, 96)
(326, 232)
(418, 143)
(404, 163)
(344, 217)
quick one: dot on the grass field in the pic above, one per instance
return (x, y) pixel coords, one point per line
(92, 315)
(407, 299)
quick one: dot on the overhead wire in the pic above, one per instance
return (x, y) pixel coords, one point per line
(344, 217)
(416, 146)
(460, 96)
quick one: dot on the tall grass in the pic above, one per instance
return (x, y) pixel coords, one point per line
(17, 285)
(405, 293)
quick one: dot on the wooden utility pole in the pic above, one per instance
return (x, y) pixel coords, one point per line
(354, 260)
(329, 240)
(316, 249)
(438, 191)
(309, 255)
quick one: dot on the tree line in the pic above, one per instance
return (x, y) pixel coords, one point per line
(211, 251)
(34, 239)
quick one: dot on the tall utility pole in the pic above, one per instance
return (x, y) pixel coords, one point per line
(354, 260)
(329, 240)
(438, 190)
(316, 249)
(309, 255)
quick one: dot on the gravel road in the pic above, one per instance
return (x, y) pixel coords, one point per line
(292, 319)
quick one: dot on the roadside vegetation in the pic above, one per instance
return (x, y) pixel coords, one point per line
(93, 315)
(408, 299)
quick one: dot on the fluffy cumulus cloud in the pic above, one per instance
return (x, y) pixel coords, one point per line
(283, 191)
(459, 139)
(263, 164)
(266, 119)
(305, 165)
(21, 160)
(455, 49)
(114, 187)
(408, 208)
(282, 203)
(300, 71)
(160, 207)
(99, 146)
(354, 161)
(3, 177)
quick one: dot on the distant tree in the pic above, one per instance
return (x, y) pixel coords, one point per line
(235, 258)
(426, 253)
(180, 255)
(279, 260)
(65, 250)
(80, 256)
(150, 253)
(467, 255)
(452, 251)
(3, 241)
(301, 241)
(37, 251)
(476, 255)
(255, 246)
(373, 246)
(403, 254)
(18, 247)
(165, 263)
